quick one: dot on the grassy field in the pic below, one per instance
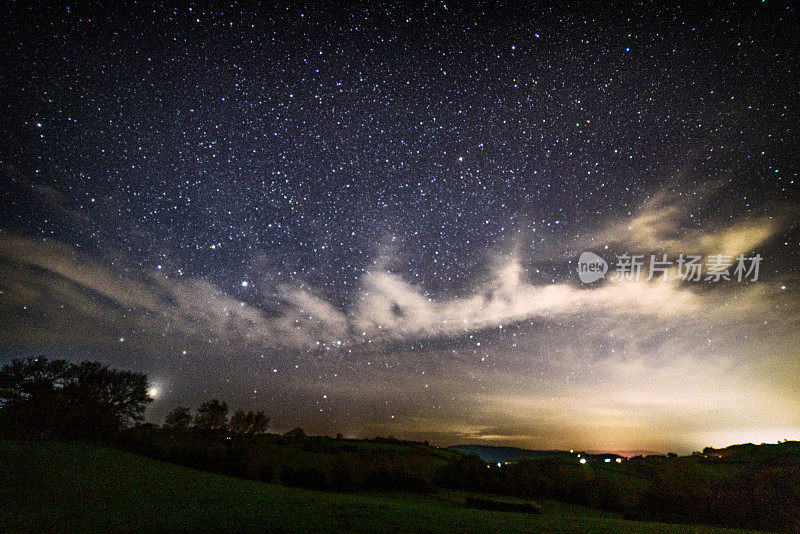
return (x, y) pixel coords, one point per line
(77, 487)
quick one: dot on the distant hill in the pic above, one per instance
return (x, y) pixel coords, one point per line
(750, 451)
(489, 453)
(743, 452)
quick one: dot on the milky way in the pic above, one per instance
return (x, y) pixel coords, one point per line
(367, 221)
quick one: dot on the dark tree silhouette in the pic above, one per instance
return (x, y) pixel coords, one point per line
(212, 415)
(259, 423)
(248, 422)
(95, 390)
(295, 433)
(56, 398)
(178, 419)
(30, 396)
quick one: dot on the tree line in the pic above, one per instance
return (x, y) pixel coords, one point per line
(212, 416)
(59, 399)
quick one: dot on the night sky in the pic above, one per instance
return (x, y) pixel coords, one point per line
(368, 221)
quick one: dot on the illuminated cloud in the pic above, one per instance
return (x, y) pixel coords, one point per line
(389, 306)
(665, 224)
(386, 307)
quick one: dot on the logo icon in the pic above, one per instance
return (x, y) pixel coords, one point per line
(591, 267)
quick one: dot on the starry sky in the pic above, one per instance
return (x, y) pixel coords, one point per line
(367, 220)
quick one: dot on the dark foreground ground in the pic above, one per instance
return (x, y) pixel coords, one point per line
(54, 486)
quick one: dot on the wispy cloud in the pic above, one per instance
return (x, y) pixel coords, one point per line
(48, 285)
(667, 223)
(386, 307)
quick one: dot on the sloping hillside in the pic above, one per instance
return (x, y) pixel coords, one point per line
(78, 487)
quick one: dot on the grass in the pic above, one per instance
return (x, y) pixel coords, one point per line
(58, 486)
